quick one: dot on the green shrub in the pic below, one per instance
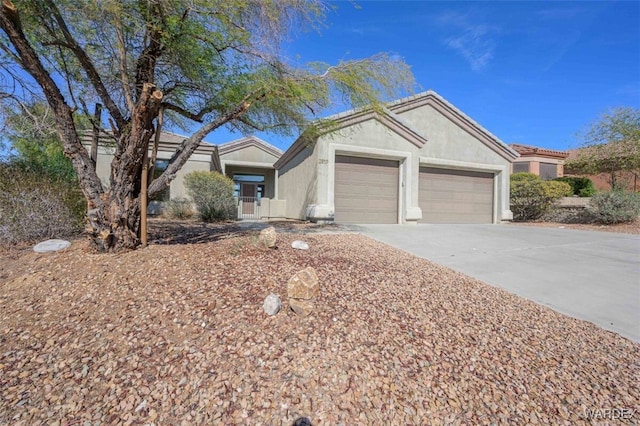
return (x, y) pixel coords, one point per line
(35, 206)
(587, 191)
(555, 190)
(524, 176)
(615, 206)
(212, 194)
(178, 209)
(581, 186)
(531, 197)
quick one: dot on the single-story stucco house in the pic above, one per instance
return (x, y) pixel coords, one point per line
(205, 158)
(420, 159)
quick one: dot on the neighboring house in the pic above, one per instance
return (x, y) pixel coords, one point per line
(419, 160)
(546, 163)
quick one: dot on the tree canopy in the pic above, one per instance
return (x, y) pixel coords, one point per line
(205, 63)
(611, 145)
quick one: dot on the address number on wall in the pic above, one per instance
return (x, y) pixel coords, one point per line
(323, 161)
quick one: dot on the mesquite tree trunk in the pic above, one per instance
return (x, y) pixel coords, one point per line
(114, 224)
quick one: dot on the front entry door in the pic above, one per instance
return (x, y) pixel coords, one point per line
(248, 197)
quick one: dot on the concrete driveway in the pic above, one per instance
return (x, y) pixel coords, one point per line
(589, 275)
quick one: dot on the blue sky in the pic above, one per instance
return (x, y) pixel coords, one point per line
(530, 72)
(533, 72)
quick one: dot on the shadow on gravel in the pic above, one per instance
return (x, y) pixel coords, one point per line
(165, 231)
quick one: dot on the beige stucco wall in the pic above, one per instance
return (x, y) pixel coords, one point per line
(273, 209)
(249, 154)
(298, 182)
(197, 162)
(448, 146)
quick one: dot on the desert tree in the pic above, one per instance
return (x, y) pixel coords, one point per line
(610, 145)
(204, 63)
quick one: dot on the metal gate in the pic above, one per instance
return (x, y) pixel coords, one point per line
(248, 208)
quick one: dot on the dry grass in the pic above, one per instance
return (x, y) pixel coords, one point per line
(175, 334)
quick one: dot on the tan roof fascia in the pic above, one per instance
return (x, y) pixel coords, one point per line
(441, 105)
(169, 142)
(355, 117)
(527, 150)
(248, 141)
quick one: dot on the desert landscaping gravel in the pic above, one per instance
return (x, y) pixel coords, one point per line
(175, 334)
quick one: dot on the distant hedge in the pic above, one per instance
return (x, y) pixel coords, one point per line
(581, 186)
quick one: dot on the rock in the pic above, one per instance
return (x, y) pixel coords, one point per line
(268, 237)
(302, 421)
(272, 304)
(301, 307)
(303, 285)
(300, 245)
(51, 245)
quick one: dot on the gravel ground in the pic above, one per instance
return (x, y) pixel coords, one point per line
(625, 228)
(175, 334)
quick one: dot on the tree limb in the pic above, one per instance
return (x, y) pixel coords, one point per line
(89, 181)
(88, 66)
(123, 67)
(188, 146)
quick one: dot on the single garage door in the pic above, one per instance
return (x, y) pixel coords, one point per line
(455, 196)
(366, 190)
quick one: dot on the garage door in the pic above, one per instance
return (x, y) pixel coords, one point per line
(366, 190)
(455, 196)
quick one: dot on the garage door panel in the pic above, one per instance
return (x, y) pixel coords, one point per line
(366, 190)
(455, 196)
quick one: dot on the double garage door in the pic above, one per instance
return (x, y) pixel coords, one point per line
(367, 191)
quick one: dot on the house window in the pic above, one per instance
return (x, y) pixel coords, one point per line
(158, 168)
(548, 171)
(248, 185)
(522, 166)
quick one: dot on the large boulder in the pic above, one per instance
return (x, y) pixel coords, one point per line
(268, 237)
(303, 285)
(51, 245)
(301, 307)
(300, 245)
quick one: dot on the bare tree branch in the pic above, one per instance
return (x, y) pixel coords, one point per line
(88, 66)
(126, 87)
(89, 181)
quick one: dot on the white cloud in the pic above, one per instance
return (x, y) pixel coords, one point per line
(474, 41)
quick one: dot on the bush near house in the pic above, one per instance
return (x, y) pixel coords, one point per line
(36, 206)
(581, 186)
(178, 209)
(531, 197)
(615, 206)
(212, 194)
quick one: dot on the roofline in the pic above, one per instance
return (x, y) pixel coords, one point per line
(358, 115)
(526, 150)
(105, 139)
(467, 123)
(248, 141)
(387, 118)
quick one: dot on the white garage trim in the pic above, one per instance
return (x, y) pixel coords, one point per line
(500, 181)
